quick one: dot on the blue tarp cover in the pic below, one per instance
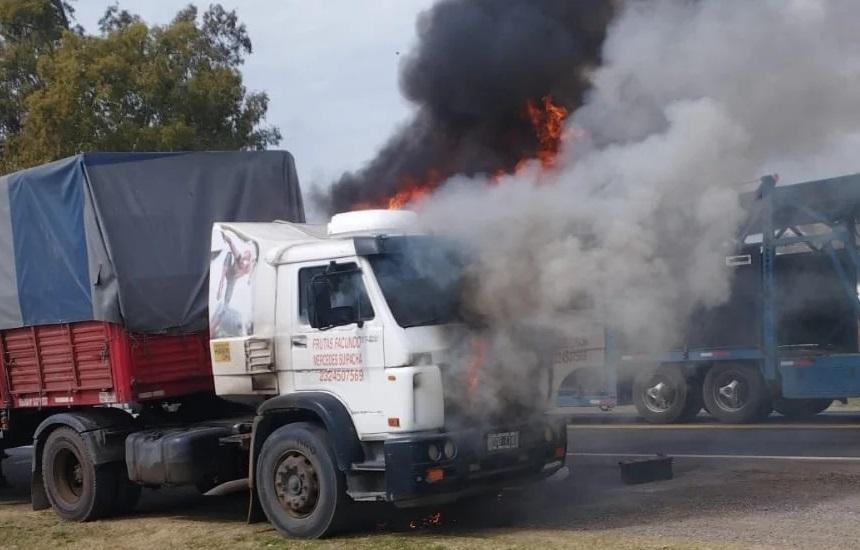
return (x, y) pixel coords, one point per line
(124, 237)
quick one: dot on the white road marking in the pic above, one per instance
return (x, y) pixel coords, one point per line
(721, 457)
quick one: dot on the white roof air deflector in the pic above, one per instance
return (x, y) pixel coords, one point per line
(373, 222)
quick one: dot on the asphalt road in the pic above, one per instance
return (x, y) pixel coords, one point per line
(827, 437)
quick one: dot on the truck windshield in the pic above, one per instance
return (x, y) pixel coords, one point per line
(421, 279)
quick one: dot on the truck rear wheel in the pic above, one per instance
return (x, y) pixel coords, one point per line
(736, 394)
(300, 488)
(77, 489)
(800, 408)
(666, 395)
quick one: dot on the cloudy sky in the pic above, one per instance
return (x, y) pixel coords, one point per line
(329, 67)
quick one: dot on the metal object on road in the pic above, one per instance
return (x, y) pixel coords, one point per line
(635, 471)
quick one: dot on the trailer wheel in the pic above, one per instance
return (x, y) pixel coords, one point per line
(800, 408)
(666, 395)
(300, 488)
(736, 394)
(77, 489)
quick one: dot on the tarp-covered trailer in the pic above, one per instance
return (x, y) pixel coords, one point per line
(104, 274)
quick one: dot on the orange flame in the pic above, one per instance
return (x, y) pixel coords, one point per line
(433, 520)
(548, 123)
(476, 362)
(545, 117)
(413, 190)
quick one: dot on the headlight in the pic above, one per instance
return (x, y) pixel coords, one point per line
(434, 452)
(450, 449)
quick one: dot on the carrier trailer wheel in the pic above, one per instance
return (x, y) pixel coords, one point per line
(800, 408)
(301, 490)
(736, 394)
(666, 395)
(77, 489)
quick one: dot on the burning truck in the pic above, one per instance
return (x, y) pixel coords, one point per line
(159, 329)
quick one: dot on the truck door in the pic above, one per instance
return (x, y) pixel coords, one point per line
(348, 360)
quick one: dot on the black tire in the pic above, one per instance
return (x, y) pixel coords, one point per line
(77, 489)
(766, 405)
(301, 490)
(736, 394)
(800, 408)
(127, 492)
(666, 395)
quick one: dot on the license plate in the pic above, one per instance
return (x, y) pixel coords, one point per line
(502, 441)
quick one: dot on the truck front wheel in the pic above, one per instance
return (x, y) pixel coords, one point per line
(300, 488)
(77, 489)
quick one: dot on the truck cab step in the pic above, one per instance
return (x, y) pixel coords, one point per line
(369, 466)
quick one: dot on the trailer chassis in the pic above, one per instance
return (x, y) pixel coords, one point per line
(777, 217)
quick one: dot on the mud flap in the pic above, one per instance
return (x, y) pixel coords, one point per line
(255, 511)
(38, 496)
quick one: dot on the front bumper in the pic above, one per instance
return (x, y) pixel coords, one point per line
(412, 479)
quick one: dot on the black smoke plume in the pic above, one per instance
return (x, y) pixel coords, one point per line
(476, 65)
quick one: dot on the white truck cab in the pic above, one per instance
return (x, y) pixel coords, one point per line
(343, 332)
(264, 342)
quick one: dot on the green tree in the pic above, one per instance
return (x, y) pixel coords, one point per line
(136, 87)
(28, 30)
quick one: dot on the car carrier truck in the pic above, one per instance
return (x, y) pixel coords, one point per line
(786, 339)
(164, 324)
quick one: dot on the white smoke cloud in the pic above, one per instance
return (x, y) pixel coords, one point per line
(692, 99)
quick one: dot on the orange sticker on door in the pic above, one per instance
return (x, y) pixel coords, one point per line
(221, 352)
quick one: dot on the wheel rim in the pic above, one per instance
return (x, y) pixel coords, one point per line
(68, 476)
(296, 484)
(660, 396)
(731, 392)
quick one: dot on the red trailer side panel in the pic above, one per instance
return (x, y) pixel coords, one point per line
(163, 366)
(92, 362)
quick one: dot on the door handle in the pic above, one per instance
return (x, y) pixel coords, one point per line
(299, 341)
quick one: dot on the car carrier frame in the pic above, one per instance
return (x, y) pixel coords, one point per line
(798, 380)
